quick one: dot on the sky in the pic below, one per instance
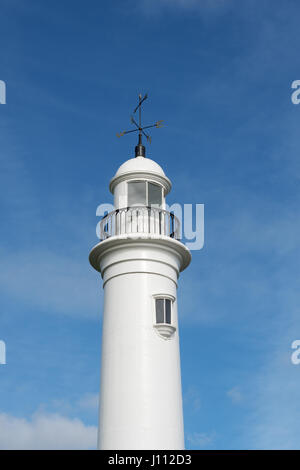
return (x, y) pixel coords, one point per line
(219, 73)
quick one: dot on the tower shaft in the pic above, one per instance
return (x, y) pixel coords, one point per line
(140, 399)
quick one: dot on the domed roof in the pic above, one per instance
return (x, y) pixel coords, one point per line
(140, 167)
(142, 164)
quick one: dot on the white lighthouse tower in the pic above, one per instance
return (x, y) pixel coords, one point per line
(140, 258)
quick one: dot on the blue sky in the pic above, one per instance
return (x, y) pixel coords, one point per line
(219, 73)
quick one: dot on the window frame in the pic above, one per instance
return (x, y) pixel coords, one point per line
(147, 192)
(161, 194)
(164, 297)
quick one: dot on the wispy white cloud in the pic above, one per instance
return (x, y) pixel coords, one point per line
(52, 282)
(45, 431)
(192, 398)
(230, 273)
(274, 422)
(45, 241)
(89, 401)
(235, 395)
(201, 440)
(84, 407)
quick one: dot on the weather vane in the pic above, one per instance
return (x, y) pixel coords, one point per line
(140, 149)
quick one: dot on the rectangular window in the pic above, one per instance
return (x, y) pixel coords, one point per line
(168, 310)
(137, 193)
(160, 311)
(154, 194)
(163, 311)
(144, 193)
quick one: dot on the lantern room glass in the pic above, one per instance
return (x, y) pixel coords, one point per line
(144, 193)
(137, 193)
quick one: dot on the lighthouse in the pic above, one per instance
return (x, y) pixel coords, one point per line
(140, 257)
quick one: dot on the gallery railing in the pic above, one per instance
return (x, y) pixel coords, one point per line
(139, 219)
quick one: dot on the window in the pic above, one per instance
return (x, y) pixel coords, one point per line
(137, 193)
(154, 194)
(163, 317)
(144, 193)
(163, 310)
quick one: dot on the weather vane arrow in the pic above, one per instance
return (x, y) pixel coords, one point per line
(140, 149)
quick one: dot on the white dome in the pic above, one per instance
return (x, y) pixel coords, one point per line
(142, 164)
(140, 167)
